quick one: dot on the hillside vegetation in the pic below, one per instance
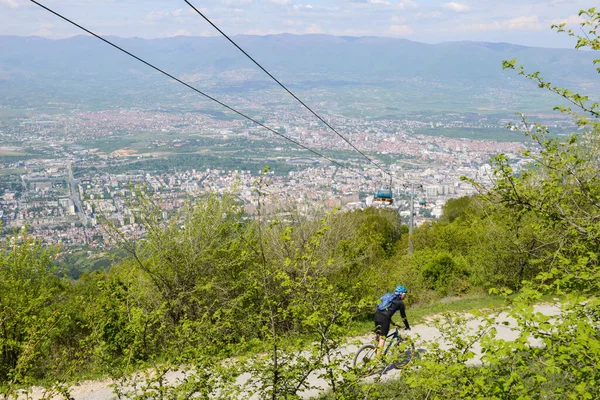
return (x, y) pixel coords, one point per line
(210, 284)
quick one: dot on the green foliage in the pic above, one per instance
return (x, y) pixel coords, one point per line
(205, 287)
(463, 207)
(35, 318)
(76, 262)
(446, 275)
(28, 292)
(472, 248)
(195, 262)
(296, 293)
(209, 283)
(550, 214)
(561, 189)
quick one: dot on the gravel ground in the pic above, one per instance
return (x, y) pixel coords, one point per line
(100, 390)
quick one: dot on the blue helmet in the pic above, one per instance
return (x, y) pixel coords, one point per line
(401, 290)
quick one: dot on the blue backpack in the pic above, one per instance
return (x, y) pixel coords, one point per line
(385, 301)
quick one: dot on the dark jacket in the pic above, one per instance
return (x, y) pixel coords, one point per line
(397, 304)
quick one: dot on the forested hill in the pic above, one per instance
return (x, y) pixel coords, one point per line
(313, 60)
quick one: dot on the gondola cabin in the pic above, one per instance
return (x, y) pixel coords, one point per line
(383, 197)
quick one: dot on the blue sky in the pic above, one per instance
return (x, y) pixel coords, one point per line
(524, 22)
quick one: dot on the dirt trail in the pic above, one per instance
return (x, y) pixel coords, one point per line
(100, 390)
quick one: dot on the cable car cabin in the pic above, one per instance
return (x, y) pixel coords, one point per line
(383, 197)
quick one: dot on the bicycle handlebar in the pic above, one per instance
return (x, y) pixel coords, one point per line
(398, 326)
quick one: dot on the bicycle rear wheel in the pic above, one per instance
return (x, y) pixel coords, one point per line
(364, 356)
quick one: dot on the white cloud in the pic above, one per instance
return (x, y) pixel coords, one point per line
(572, 20)
(457, 7)
(191, 11)
(310, 29)
(261, 32)
(428, 21)
(406, 4)
(302, 7)
(400, 30)
(236, 3)
(515, 24)
(44, 31)
(523, 23)
(429, 15)
(314, 29)
(179, 32)
(9, 3)
(185, 32)
(290, 22)
(382, 2)
(154, 16)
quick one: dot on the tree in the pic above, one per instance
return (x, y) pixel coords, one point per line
(196, 260)
(33, 318)
(561, 188)
(556, 200)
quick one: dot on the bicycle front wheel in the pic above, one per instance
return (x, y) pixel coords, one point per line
(364, 356)
(409, 356)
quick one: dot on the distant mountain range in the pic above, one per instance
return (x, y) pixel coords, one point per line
(301, 60)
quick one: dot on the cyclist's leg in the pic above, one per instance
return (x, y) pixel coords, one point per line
(382, 327)
(380, 343)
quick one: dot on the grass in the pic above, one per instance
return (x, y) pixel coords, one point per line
(13, 171)
(466, 304)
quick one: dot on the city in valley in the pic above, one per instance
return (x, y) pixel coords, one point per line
(80, 138)
(64, 175)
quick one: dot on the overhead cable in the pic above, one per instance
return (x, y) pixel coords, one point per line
(285, 88)
(188, 85)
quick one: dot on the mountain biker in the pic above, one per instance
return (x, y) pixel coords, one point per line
(383, 319)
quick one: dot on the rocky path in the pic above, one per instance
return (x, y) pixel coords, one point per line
(101, 390)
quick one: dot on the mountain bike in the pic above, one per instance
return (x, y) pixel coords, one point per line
(368, 352)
